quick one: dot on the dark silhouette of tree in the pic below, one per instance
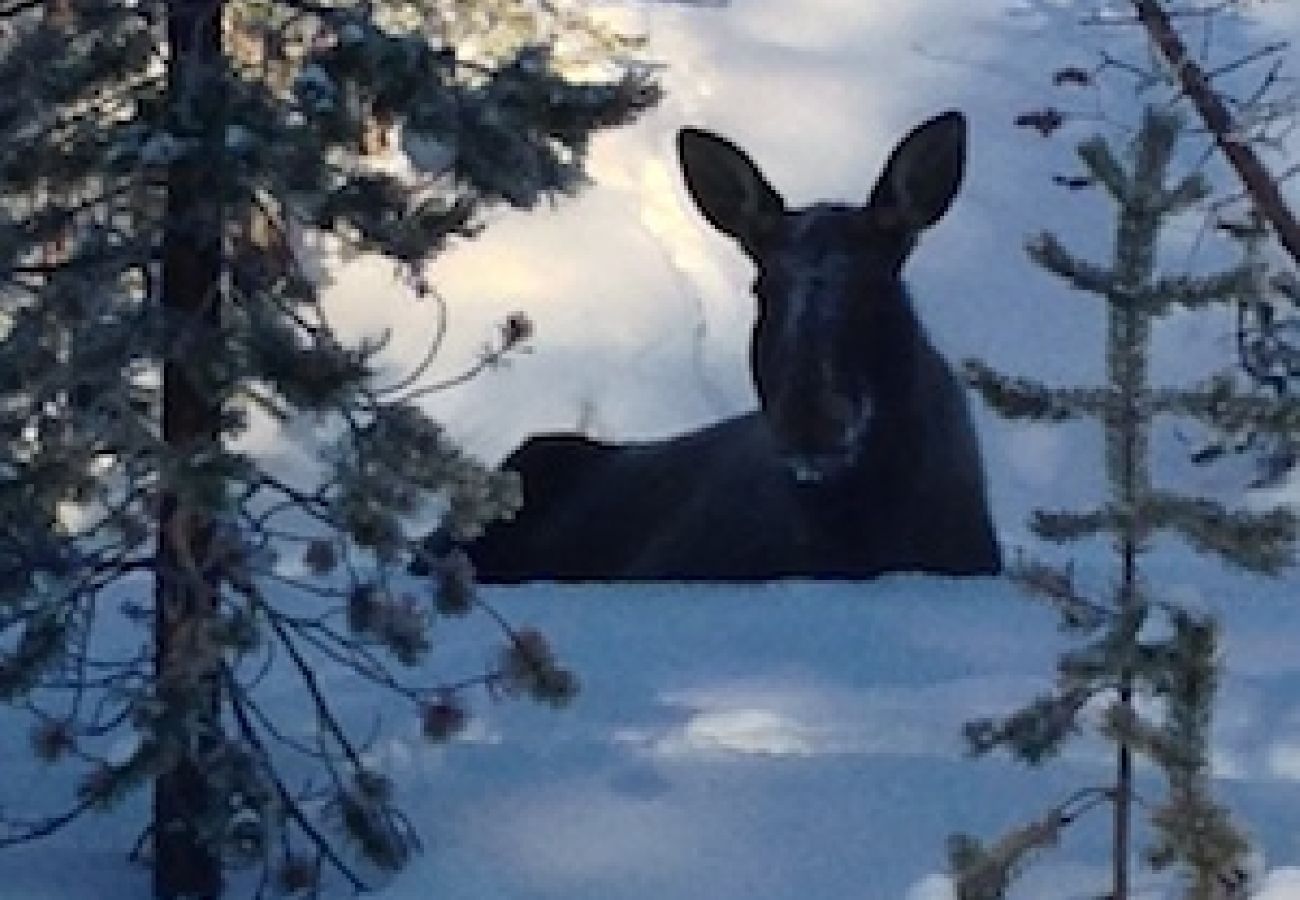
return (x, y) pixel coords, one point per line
(161, 162)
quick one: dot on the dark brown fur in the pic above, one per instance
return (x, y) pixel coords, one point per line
(862, 458)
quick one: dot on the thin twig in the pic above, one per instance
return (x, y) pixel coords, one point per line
(291, 806)
(1214, 112)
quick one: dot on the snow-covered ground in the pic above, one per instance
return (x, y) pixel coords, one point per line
(781, 742)
(792, 740)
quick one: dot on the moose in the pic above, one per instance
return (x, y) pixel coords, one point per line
(861, 458)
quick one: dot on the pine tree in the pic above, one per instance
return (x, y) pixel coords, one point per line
(1148, 665)
(160, 162)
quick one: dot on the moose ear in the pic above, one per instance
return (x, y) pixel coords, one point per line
(924, 172)
(727, 186)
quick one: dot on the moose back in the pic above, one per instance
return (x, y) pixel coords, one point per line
(861, 458)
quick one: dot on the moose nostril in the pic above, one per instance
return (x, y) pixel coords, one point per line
(806, 470)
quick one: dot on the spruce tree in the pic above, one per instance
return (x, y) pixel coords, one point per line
(1147, 666)
(160, 162)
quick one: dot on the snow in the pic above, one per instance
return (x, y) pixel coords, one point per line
(780, 741)
(802, 739)
(792, 740)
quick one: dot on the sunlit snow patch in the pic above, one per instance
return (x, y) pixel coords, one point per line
(794, 720)
(758, 732)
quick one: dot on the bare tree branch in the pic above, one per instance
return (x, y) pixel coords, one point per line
(1254, 175)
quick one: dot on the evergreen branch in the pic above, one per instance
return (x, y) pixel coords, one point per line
(1193, 829)
(1200, 833)
(1023, 398)
(1061, 526)
(1034, 732)
(1259, 542)
(1106, 169)
(1050, 253)
(1217, 404)
(276, 733)
(432, 349)
(1057, 587)
(1108, 662)
(291, 805)
(312, 500)
(1152, 154)
(1195, 292)
(986, 873)
(511, 335)
(325, 714)
(1186, 194)
(351, 654)
(40, 646)
(303, 586)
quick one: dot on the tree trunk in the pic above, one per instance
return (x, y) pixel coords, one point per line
(186, 861)
(1127, 435)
